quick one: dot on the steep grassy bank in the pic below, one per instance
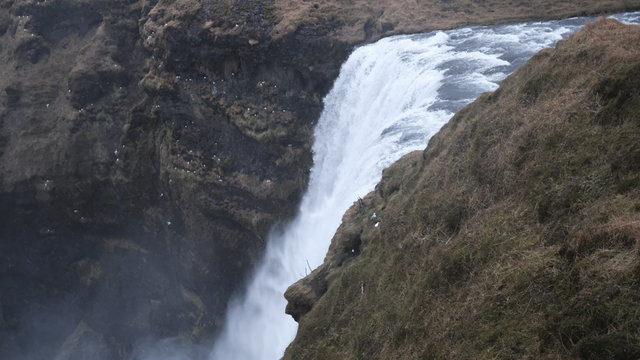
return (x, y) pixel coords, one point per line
(513, 235)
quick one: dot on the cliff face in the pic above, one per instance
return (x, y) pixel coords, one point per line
(146, 146)
(513, 235)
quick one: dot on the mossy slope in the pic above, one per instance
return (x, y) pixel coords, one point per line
(513, 235)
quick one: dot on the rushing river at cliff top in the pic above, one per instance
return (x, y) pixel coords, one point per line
(389, 99)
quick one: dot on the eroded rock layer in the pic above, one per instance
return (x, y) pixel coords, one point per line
(146, 148)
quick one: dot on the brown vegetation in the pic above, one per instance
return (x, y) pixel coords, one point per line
(360, 20)
(513, 235)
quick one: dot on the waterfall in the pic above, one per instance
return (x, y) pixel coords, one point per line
(389, 99)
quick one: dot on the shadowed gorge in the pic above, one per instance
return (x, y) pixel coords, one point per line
(513, 235)
(145, 155)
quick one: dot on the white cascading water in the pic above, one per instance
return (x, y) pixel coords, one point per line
(389, 99)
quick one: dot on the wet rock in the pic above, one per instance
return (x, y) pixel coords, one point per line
(31, 49)
(84, 343)
(156, 85)
(12, 95)
(84, 86)
(142, 198)
(96, 71)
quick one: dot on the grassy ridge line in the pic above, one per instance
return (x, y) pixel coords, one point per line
(513, 235)
(361, 20)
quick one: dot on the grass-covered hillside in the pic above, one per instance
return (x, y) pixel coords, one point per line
(514, 235)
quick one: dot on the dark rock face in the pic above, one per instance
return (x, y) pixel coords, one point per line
(146, 148)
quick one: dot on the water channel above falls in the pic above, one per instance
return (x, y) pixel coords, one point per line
(389, 99)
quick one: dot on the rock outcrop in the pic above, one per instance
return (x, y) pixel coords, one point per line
(147, 146)
(146, 149)
(515, 234)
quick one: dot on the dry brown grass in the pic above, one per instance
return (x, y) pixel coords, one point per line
(357, 20)
(514, 235)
